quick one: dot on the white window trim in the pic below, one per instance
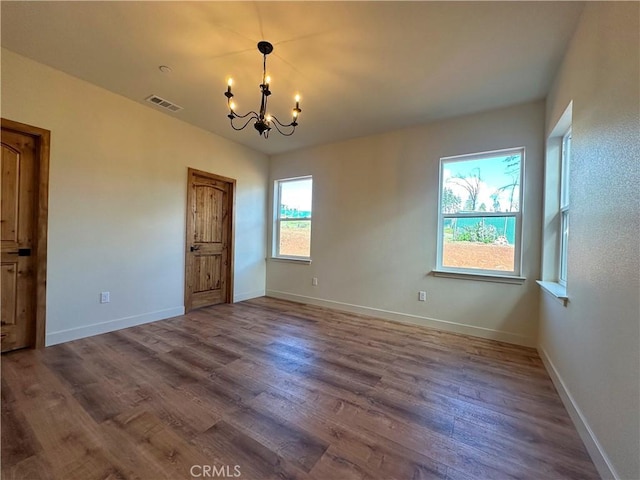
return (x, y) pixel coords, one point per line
(563, 214)
(556, 290)
(551, 250)
(483, 277)
(500, 276)
(277, 191)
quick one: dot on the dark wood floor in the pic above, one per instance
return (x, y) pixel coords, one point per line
(270, 389)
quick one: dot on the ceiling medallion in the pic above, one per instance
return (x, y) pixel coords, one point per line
(263, 121)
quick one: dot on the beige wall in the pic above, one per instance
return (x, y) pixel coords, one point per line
(592, 346)
(117, 200)
(375, 222)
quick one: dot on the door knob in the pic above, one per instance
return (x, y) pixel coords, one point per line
(195, 247)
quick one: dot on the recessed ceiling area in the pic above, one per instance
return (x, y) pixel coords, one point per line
(360, 67)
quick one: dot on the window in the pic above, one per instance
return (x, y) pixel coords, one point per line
(480, 213)
(292, 231)
(555, 233)
(564, 206)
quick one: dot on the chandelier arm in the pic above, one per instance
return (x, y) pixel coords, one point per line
(284, 124)
(235, 115)
(255, 115)
(243, 126)
(278, 122)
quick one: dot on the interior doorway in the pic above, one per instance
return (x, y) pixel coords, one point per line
(209, 239)
(24, 211)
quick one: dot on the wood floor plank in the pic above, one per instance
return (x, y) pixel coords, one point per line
(369, 440)
(367, 434)
(227, 446)
(333, 464)
(209, 347)
(18, 441)
(284, 437)
(67, 434)
(137, 462)
(520, 424)
(282, 390)
(31, 468)
(161, 443)
(575, 463)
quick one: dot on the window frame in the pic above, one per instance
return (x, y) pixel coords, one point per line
(277, 220)
(552, 221)
(479, 273)
(563, 214)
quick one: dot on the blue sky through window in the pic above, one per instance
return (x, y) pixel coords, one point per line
(296, 195)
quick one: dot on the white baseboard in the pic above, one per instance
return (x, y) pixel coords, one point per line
(239, 297)
(445, 325)
(62, 336)
(599, 457)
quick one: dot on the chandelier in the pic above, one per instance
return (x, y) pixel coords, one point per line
(263, 120)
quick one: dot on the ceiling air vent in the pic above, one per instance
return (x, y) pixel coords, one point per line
(161, 102)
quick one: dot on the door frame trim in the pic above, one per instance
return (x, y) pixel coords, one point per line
(43, 142)
(188, 225)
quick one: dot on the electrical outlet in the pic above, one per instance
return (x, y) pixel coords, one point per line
(314, 281)
(422, 296)
(105, 297)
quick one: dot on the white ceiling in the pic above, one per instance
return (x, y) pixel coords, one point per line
(360, 67)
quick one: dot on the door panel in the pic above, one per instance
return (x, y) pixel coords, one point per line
(10, 190)
(209, 206)
(9, 281)
(207, 274)
(19, 189)
(208, 240)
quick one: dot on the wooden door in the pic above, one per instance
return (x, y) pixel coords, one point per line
(209, 249)
(23, 234)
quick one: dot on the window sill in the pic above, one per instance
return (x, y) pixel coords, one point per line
(483, 277)
(304, 261)
(557, 291)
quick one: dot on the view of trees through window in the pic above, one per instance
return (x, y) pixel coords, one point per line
(480, 201)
